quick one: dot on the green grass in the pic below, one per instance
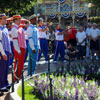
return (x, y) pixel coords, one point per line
(28, 92)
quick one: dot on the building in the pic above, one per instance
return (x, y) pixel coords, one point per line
(64, 11)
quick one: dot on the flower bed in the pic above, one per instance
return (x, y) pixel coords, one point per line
(65, 87)
(80, 83)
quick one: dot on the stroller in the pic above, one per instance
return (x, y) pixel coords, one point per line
(71, 52)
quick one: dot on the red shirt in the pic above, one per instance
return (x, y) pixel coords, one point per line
(72, 33)
(66, 35)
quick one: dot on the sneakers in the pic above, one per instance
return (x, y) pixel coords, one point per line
(96, 58)
(8, 86)
(4, 89)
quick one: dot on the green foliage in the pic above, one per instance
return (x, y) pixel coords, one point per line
(95, 19)
(16, 6)
(28, 92)
(96, 3)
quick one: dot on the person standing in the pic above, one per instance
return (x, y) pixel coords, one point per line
(5, 52)
(33, 45)
(94, 35)
(11, 44)
(19, 45)
(59, 48)
(26, 38)
(87, 40)
(71, 33)
(81, 37)
(43, 30)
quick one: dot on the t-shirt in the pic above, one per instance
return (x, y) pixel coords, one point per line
(72, 33)
(81, 36)
(59, 37)
(88, 31)
(94, 33)
(66, 36)
(42, 34)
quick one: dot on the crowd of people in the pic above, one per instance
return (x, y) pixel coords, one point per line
(17, 43)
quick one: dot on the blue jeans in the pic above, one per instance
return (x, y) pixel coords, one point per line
(33, 58)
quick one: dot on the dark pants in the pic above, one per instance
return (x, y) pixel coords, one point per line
(60, 48)
(81, 50)
(94, 45)
(44, 49)
(26, 53)
(4, 68)
(12, 58)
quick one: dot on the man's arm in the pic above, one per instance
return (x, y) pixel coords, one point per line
(14, 34)
(1, 47)
(44, 29)
(31, 42)
(38, 40)
(60, 33)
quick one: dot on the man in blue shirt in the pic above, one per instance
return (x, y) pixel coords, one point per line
(5, 51)
(33, 45)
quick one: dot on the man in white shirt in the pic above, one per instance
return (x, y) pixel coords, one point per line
(94, 35)
(5, 52)
(33, 45)
(26, 38)
(81, 37)
(11, 44)
(87, 39)
(19, 45)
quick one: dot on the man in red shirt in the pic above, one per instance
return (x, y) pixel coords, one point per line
(72, 35)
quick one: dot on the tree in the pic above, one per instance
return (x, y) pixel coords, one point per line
(96, 3)
(16, 6)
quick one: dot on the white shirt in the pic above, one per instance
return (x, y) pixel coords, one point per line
(94, 33)
(31, 42)
(14, 34)
(48, 35)
(88, 31)
(1, 47)
(42, 34)
(81, 36)
(59, 37)
(10, 38)
(25, 33)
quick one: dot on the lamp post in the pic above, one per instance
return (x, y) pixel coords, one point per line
(37, 12)
(73, 16)
(59, 16)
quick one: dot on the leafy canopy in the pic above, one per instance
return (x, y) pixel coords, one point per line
(16, 6)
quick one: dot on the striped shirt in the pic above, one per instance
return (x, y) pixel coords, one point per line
(32, 33)
(4, 41)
